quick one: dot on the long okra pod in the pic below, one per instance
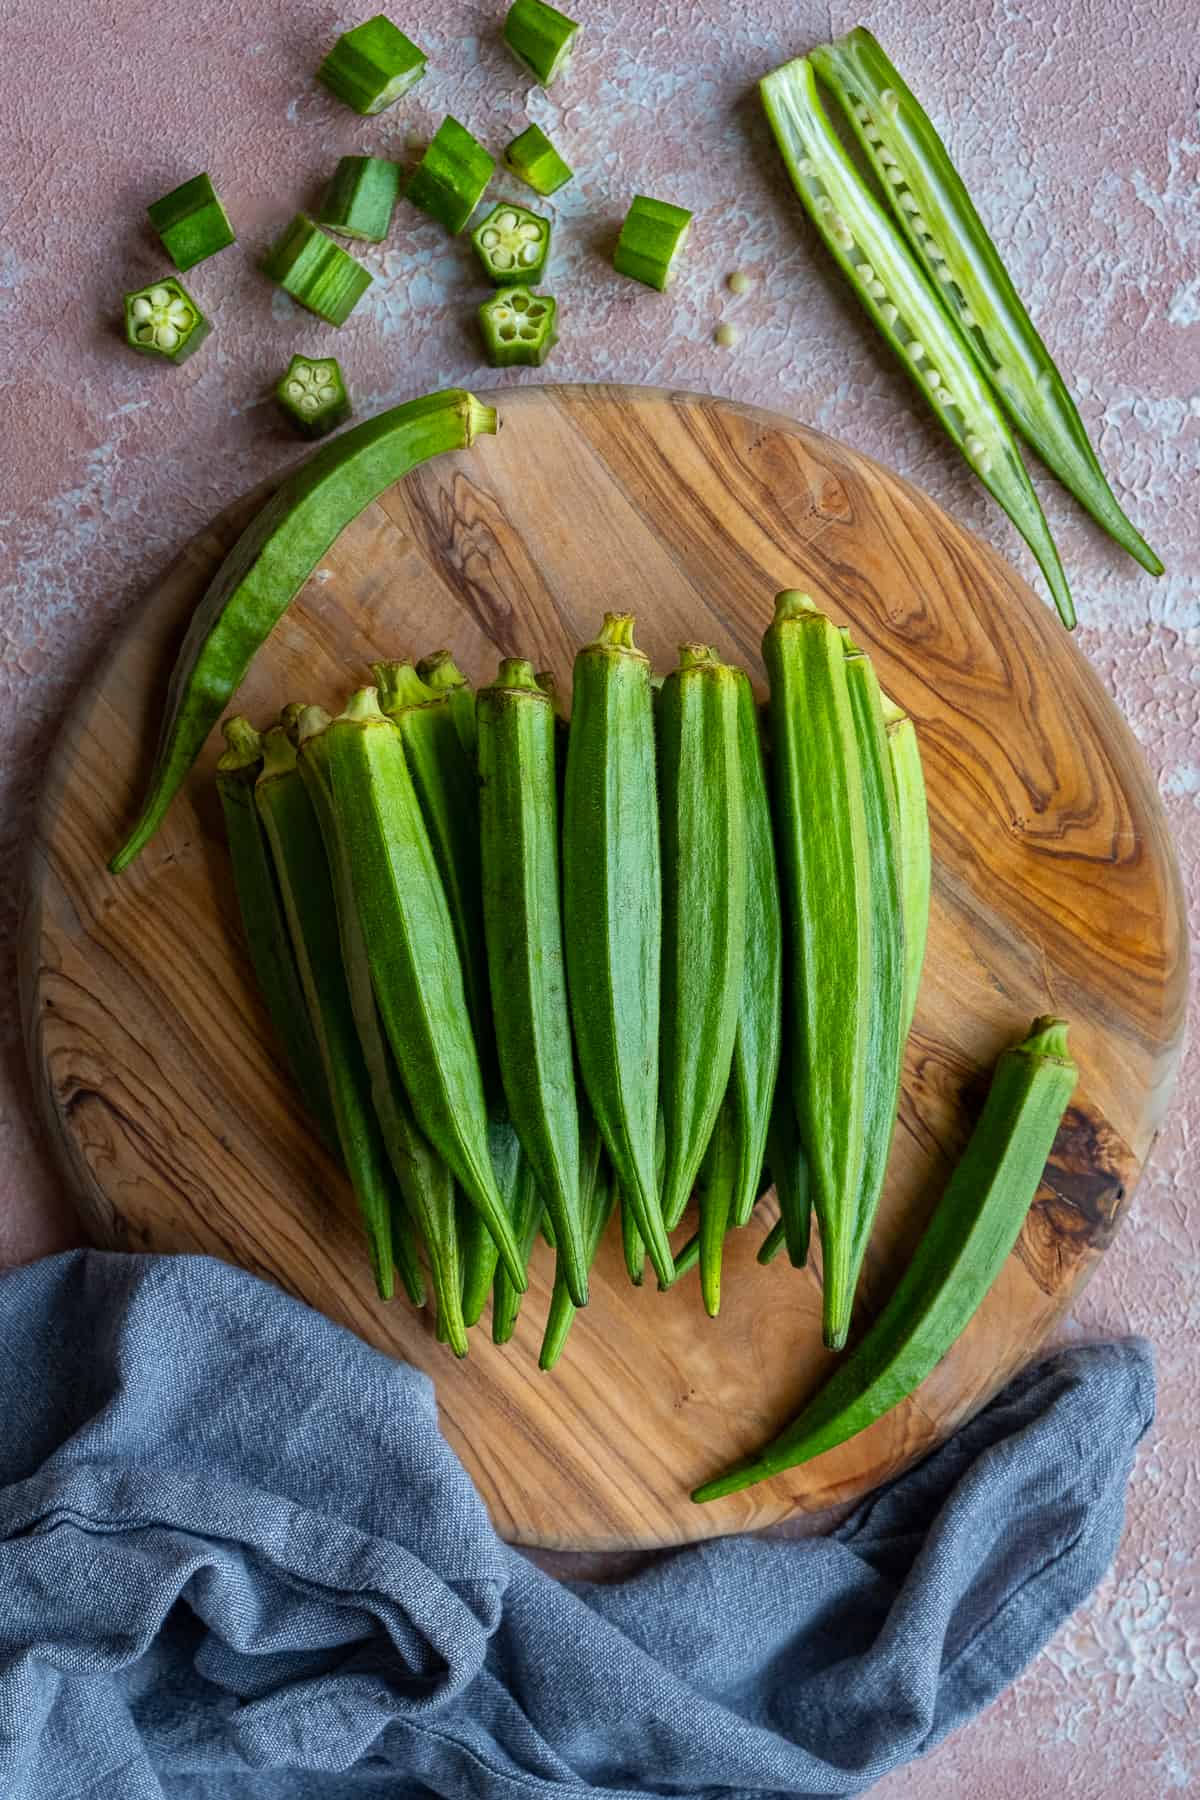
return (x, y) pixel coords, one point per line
(936, 214)
(480, 1255)
(704, 907)
(526, 1217)
(612, 901)
(410, 942)
(789, 1173)
(298, 853)
(518, 805)
(975, 1225)
(720, 1174)
(264, 921)
(597, 1196)
(915, 871)
(825, 867)
(904, 306)
(426, 1184)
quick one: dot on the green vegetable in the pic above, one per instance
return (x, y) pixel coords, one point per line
(409, 938)
(512, 244)
(936, 214)
(449, 181)
(533, 159)
(720, 1175)
(824, 859)
(191, 222)
(540, 37)
(313, 395)
(903, 306)
(265, 922)
(406, 1254)
(361, 198)
(651, 237)
(526, 1217)
(441, 673)
(518, 326)
(633, 1246)
(703, 824)
(316, 272)
(963, 1249)
(612, 901)
(298, 854)
(915, 872)
(522, 918)
(270, 562)
(372, 66)
(789, 1173)
(425, 1183)
(597, 1196)
(480, 1255)
(164, 320)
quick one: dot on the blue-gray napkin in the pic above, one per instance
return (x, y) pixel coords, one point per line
(237, 1559)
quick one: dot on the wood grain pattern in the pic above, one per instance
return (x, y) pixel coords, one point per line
(1055, 889)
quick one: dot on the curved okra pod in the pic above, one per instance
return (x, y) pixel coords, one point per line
(935, 212)
(519, 838)
(425, 1183)
(409, 938)
(975, 1225)
(270, 562)
(904, 306)
(441, 673)
(265, 921)
(915, 871)
(298, 853)
(612, 903)
(703, 820)
(824, 859)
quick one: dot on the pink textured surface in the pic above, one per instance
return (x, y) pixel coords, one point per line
(1076, 127)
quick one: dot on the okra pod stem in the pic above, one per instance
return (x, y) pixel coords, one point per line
(441, 673)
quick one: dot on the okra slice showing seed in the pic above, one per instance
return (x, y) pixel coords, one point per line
(313, 395)
(651, 238)
(449, 181)
(904, 306)
(372, 66)
(165, 321)
(540, 37)
(937, 216)
(316, 272)
(191, 222)
(361, 198)
(518, 327)
(512, 244)
(532, 158)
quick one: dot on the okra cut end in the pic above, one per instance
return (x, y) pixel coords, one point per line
(792, 604)
(399, 687)
(363, 708)
(515, 672)
(651, 238)
(512, 244)
(1048, 1037)
(243, 746)
(532, 158)
(191, 222)
(540, 37)
(616, 632)
(449, 181)
(164, 320)
(310, 722)
(518, 327)
(316, 272)
(695, 656)
(312, 394)
(371, 67)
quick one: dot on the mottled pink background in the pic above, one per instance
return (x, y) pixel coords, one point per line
(1076, 127)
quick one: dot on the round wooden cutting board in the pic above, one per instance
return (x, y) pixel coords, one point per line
(1055, 890)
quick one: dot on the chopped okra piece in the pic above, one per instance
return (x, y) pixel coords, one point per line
(316, 272)
(540, 37)
(313, 395)
(372, 66)
(518, 327)
(191, 222)
(512, 244)
(650, 239)
(165, 321)
(534, 160)
(449, 180)
(361, 198)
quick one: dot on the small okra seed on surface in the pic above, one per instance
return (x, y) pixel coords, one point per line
(726, 336)
(871, 133)
(738, 282)
(861, 112)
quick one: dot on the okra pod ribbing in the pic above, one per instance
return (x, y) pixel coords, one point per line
(915, 870)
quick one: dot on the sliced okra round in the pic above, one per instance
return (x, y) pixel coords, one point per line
(313, 395)
(512, 243)
(518, 327)
(163, 320)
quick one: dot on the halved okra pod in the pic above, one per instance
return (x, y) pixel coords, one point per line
(414, 959)
(964, 1247)
(519, 835)
(703, 818)
(612, 899)
(824, 858)
(426, 1184)
(298, 853)
(904, 306)
(915, 871)
(935, 212)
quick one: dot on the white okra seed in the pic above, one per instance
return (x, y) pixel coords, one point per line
(141, 308)
(877, 290)
(945, 274)
(871, 133)
(909, 202)
(506, 221)
(166, 337)
(860, 112)
(160, 296)
(887, 159)
(889, 99)
(529, 254)
(894, 176)
(889, 313)
(968, 317)
(934, 377)
(974, 444)
(823, 203)
(917, 350)
(866, 271)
